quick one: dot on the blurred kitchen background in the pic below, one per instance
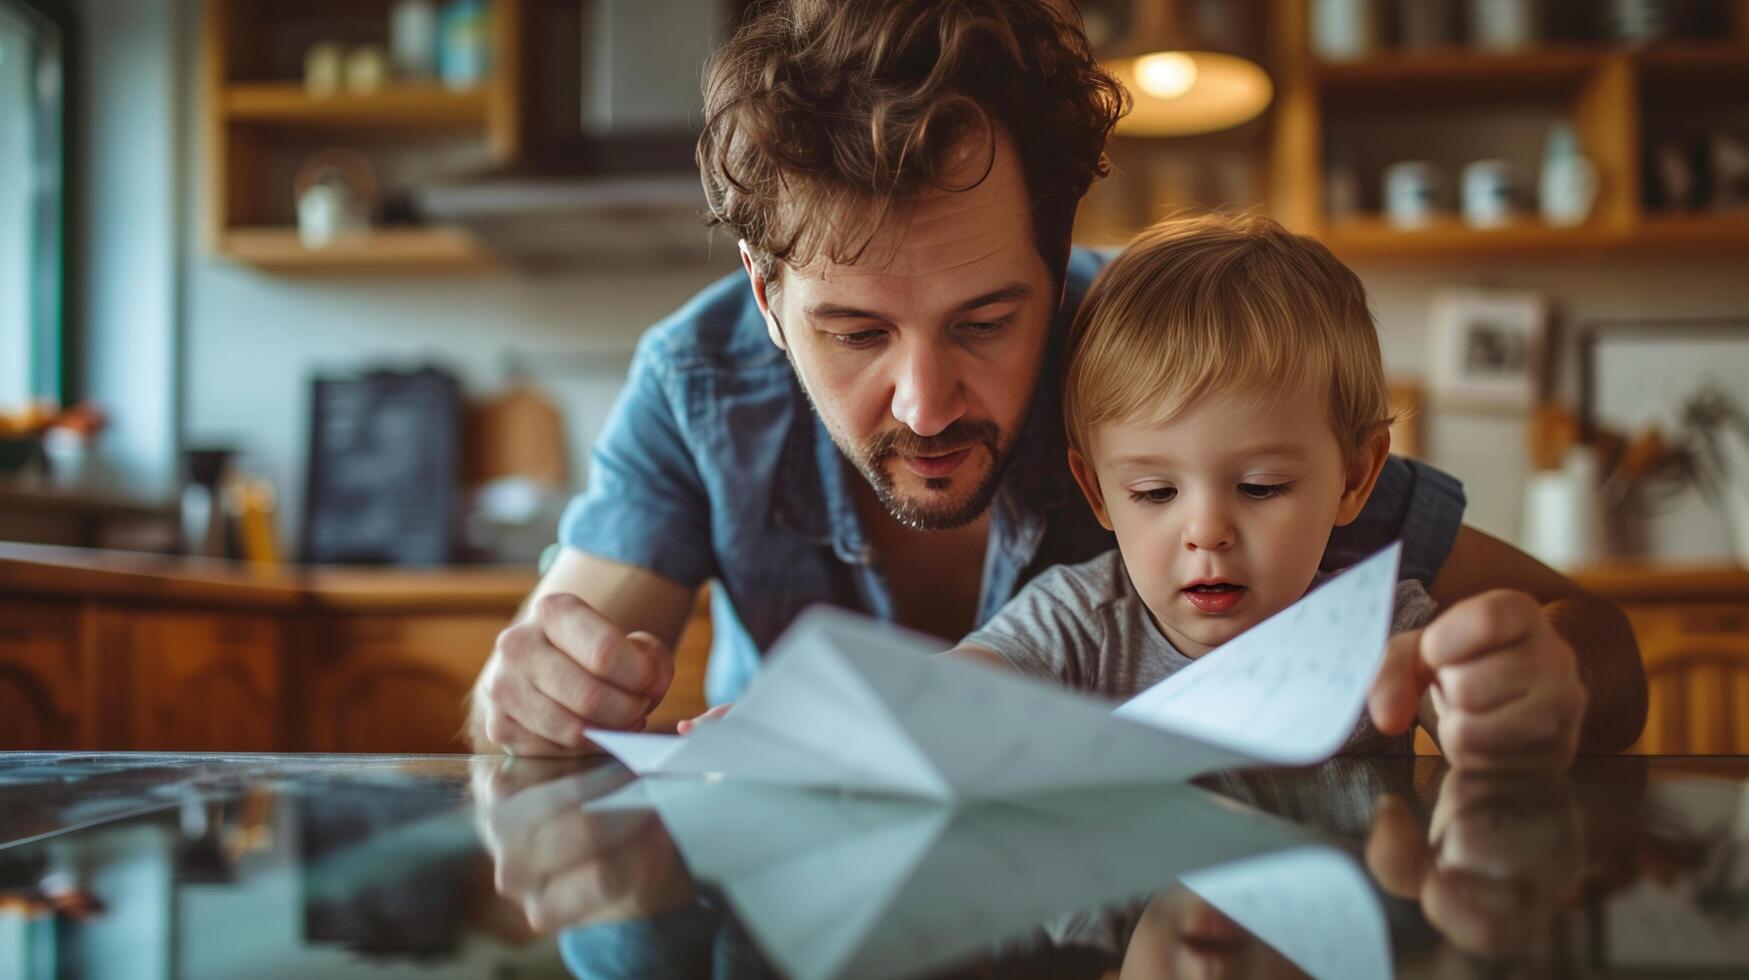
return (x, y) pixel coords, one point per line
(353, 283)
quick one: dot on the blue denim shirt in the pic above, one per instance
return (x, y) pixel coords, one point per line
(713, 466)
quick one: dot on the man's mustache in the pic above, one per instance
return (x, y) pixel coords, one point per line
(958, 436)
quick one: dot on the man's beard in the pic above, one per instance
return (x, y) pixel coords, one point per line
(873, 461)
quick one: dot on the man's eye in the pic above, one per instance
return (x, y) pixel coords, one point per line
(983, 328)
(1263, 491)
(1157, 495)
(858, 340)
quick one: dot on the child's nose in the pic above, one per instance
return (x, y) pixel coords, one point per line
(1208, 529)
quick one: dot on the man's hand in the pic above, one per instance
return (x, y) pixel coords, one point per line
(562, 864)
(1492, 681)
(562, 669)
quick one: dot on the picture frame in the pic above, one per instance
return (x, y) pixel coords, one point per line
(1487, 348)
(1637, 373)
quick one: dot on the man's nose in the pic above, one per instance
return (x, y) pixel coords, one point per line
(928, 395)
(1209, 527)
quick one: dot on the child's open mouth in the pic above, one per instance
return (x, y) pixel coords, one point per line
(1214, 597)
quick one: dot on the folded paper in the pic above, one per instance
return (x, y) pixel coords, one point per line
(848, 703)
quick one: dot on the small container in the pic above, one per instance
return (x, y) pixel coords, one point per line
(1344, 30)
(461, 53)
(413, 40)
(1414, 194)
(1490, 194)
(1563, 513)
(367, 70)
(324, 68)
(1504, 25)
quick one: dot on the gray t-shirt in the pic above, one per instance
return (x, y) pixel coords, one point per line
(1085, 626)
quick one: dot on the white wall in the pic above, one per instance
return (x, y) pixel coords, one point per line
(132, 62)
(16, 153)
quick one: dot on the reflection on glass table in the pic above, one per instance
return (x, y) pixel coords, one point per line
(191, 866)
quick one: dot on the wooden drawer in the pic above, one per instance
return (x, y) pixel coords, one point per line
(43, 677)
(194, 681)
(380, 683)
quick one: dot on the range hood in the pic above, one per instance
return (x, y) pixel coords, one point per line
(611, 115)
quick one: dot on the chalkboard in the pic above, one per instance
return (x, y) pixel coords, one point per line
(384, 470)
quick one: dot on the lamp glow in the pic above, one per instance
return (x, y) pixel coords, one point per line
(1166, 74)
(1181, 93)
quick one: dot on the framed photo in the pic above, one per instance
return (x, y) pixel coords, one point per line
(1487, 348)
(1636, 375)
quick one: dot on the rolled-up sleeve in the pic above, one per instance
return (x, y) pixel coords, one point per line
(645, 503)
(1414, 502)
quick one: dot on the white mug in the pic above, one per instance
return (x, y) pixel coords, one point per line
(1414, 193)
(1490, 194)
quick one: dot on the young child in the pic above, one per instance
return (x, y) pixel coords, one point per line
(1225, 407)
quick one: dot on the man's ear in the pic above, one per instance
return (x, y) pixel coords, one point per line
(1361, 474)
(1089, 483)
(757, 281)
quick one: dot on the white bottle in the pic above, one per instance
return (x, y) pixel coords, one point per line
(413, 40)
(1568, 186)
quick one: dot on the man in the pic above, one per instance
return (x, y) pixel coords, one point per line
(870, 420)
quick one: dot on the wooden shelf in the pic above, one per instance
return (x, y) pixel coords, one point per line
(1727, 230)
(394, 109)
(1457, 73)
(1372, 238)
(1693, 65)
(435, 249)
(260, 124)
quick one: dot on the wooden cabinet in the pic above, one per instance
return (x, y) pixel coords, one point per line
(1697, 677)
(190, 680)
(399, 682)
(43, 676)
(393, 683)
(136, 652)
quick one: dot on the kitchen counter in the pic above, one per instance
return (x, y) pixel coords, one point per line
(48, 570)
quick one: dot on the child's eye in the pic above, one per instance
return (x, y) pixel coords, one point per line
(1157, 495)
(1263, 491)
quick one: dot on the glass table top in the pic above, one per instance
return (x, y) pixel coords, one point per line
(123, 865)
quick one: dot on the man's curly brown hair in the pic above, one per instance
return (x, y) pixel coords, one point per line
(817, 109)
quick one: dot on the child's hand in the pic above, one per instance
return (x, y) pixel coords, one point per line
(1491, 680)
(686, 726)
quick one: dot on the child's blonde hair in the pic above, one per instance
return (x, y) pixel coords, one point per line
(1215, 304)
